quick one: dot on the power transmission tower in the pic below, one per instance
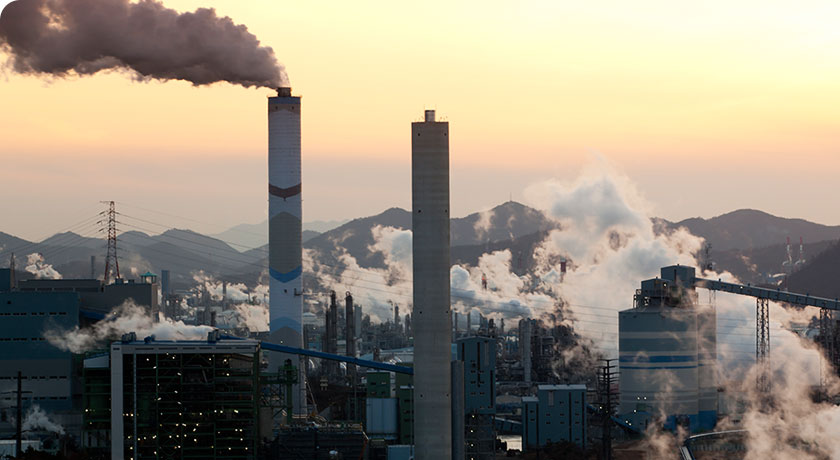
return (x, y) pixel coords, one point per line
(762, 345)
(111, 262)
(606, 399)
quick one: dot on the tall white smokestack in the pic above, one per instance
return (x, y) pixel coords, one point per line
(432, 317)
(285, 261)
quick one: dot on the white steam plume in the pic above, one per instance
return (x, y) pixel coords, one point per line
(36, 265)
(609, 241)
(36, 419)
(254, 317)
(129, 317)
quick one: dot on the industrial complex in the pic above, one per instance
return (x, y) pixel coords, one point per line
(184, 380)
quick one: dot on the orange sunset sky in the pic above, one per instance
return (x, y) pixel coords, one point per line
(707, 106)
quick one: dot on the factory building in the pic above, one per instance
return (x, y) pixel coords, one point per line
(174, 399)
(389, 411)
(556, 414)
(432, 320)
(101, 299)
(667, 353)
(49, 377)
(479, 357)
(46, 371)
(285, 246)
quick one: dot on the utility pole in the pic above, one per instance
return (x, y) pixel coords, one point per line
(12, 281)
(111, 262)
(606, 396)
(19, 421)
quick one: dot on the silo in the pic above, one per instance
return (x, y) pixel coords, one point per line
(667, 353)
(284, 230)
(658, 363)
(432, 314)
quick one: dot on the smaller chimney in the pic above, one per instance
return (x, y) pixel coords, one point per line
(287, 92)
(430, 116)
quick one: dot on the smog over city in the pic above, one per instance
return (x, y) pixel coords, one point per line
(425, 231)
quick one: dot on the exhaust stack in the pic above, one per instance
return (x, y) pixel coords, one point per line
(285, 213)
(432, 316)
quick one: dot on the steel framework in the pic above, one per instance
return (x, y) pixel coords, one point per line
(762, 343)
(111, 254)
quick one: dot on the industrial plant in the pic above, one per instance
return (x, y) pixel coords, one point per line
(132, 368)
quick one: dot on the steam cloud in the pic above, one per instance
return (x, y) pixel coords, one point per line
(36, 265)
(82, 37)
(129, 317)
(37, 419)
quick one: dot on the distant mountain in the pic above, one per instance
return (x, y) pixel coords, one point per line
(505, 222)
(755, 264)
(8, 241)
(247, 236)
(748, 243)
(819, 277)
(748, 228)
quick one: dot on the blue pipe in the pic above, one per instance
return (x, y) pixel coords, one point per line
(330, 356)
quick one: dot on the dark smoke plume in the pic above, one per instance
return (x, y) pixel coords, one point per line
(66, 37)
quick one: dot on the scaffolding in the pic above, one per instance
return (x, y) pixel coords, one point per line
(276, 393)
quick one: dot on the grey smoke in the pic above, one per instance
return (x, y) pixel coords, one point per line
(82, 37)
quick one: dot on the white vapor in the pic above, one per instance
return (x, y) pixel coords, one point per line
(129, 317)
(36, 265)
(36, 419)
(609, 241)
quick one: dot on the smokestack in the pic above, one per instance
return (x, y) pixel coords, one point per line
(432, 310)
(350, 318)
(331, 336)
(525, 333)
(285, 256)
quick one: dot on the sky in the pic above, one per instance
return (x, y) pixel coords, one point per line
(708, 107)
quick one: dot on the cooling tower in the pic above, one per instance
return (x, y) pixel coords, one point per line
(432, 313)
(284, 229)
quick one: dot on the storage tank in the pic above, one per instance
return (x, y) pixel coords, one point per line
(667, 354)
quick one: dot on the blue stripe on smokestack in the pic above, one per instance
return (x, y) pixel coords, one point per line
(285, 277)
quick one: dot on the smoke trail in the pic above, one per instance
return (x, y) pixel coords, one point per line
(82, 37)
(36, 265)
(129, 317)
(254, 317)
(37, 419)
